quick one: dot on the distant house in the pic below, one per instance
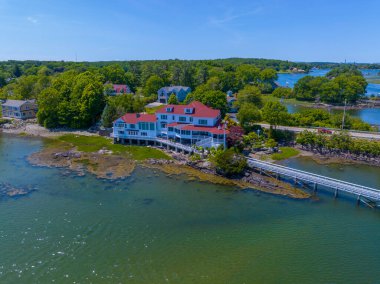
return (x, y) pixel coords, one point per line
(119, 89)
(180, 91)
(19, 109)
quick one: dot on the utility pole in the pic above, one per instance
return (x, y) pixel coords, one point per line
(224, 136)
(344, 113)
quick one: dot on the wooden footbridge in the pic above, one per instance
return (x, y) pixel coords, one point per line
(367, 195)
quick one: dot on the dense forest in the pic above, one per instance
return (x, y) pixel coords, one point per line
(74, 94)
(70, 94)
(185, 72)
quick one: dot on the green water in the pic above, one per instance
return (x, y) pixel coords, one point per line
(153, 229)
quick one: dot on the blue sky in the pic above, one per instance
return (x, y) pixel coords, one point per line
(308, 30)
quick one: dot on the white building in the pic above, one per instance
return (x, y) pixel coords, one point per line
(189, 124)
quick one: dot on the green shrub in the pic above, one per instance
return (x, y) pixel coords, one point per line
(229, 162)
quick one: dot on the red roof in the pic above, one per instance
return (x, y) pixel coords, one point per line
(118, 88)
(175, 124)
(133, 118)
(200, 110)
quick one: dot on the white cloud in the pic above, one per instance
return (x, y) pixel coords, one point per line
(229, 17)
(32, 20)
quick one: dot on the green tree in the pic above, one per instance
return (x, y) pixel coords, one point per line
(281, 92)
(229, 162)
(268, 75)
(48, 104)
(271, 143)
(16, 72)
(173, 99)
(153, 84)
(275, 113)
(247, 74)
(248, 114)
(250, 95)
(114, 73)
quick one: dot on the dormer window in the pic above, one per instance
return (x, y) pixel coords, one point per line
(189, 110)
(169, 109)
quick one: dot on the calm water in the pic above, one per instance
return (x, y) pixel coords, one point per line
(289, 80)
(153, 229)
(372, 115)
(369, 115)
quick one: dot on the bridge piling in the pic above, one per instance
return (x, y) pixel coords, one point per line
(315, 187)
(362, 193)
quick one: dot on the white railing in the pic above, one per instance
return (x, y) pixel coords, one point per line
(205, 142)
(175, 145)
(317, 179)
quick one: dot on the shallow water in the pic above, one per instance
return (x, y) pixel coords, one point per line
(153, 229)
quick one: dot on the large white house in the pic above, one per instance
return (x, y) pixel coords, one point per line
(192, 124)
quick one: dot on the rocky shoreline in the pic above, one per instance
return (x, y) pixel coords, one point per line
(32, 128)
(101, 163)
(204, 171)
(9, 190)
(107, 165)
(342, 158)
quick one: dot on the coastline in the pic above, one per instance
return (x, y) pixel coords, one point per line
(105, 164)
(344, 158)
(119, 162)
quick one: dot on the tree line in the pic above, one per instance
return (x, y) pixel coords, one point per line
(340, 85)
(252, 110)
(136, 73)
(338, 143)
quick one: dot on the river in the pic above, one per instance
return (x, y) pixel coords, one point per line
(151, 228)
(371, 115)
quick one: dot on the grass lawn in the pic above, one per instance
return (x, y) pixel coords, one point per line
(286, 153)
(271, 98)
(374, 81)
(96, 143)
(152, 110)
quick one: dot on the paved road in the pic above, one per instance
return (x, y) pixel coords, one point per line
(364, 135)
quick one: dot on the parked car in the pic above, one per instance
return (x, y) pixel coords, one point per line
(324, 131)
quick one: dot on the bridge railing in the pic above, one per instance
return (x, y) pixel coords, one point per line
(322, 180)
